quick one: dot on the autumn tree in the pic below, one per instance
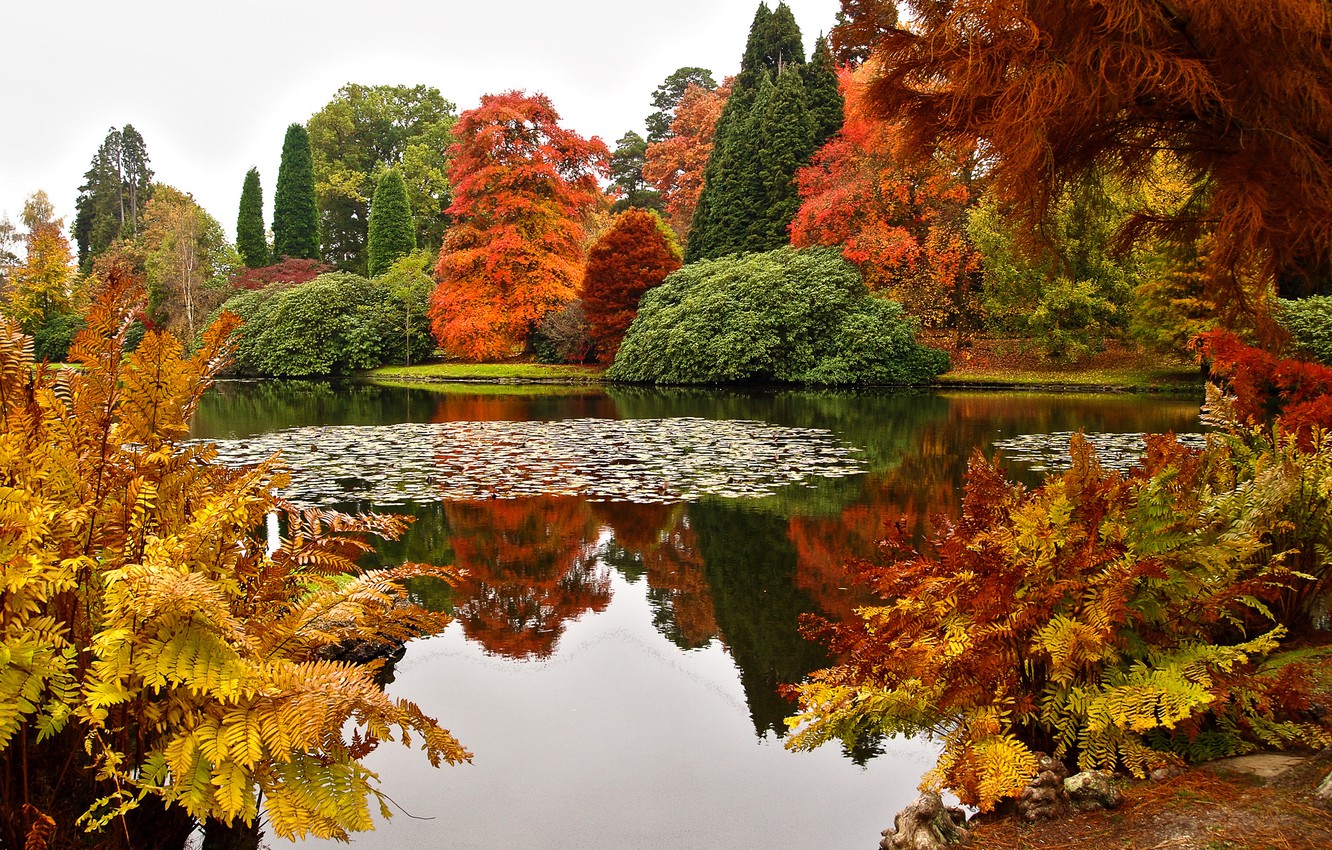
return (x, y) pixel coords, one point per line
(187, 260)
(41, 288)
(115, 191)
(675, 165)
(295, 213)
(392, 232)
(363, 132)
(633, 256)
(1237, 91)
(902, 223)
(251, 241)
(522, 184)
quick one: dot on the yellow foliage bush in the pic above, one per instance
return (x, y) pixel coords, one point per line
(152, 649)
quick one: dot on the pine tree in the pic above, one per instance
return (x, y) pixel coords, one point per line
(732, 194)
(392, 230)
(823, 94)
(295, 215)
(111, 200)
(251, 241)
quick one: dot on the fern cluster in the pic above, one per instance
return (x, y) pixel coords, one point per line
(152, 649)
(1114, 620)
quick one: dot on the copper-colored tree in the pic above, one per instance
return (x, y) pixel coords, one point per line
(522, 186)
(1240, 91)
(674, 166)
(633, 256)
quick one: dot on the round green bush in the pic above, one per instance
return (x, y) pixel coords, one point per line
(784, 316)
(336, 324)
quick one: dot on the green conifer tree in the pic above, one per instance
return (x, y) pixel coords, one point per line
(723, 217)
(392, 229)
(251, 242)
(295, 214)
(826, 105)
(783, 129)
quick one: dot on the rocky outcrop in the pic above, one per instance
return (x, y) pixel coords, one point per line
(1044, 797)
(1092, 790)
(926, 824)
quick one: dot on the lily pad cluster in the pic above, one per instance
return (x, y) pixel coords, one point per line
(637, 460)
(1049, 452)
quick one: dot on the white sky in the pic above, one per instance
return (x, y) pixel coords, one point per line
(212, 86)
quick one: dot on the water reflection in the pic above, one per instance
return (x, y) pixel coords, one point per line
(736, 571)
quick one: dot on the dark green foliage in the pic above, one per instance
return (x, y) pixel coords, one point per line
(823, 94)
(783, 129)
(112, 198)
(336, 324)
(50, 341)
(392, 230)
(786, 315)
(667, 97)
(764, 134)
(1309, 323)
(357, 136)
(295, 215)
(251, 241)
(626, 167)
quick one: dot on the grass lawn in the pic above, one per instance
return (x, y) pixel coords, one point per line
(1162, 379)
(490, 372)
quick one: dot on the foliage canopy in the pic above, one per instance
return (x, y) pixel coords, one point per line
(1053, 90)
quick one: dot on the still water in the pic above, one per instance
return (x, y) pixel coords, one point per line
(631, 607)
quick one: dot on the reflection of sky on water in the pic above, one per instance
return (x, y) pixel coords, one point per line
(620, 740)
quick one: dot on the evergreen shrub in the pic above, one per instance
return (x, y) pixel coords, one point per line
(336, 324)
(785, 316)
(1309, 322)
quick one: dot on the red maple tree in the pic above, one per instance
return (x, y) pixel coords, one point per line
(901, 222)
(630, 258)
(522, 186)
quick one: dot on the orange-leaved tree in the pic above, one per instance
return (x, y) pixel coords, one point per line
(1052, 90)
(902, 222)
(163, 663)
(522, 185)
(634, 255)
(674, 166)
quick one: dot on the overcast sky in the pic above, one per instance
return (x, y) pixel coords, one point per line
(212, 86)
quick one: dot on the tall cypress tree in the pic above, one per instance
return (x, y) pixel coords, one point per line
(392, 230)
(723, 220)
(250, 239)
(784, 131)
(824, 95)
(295, 215)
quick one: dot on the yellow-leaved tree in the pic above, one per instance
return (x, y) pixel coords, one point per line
(160, 667)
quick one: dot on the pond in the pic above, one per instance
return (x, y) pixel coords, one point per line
(638, 563)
